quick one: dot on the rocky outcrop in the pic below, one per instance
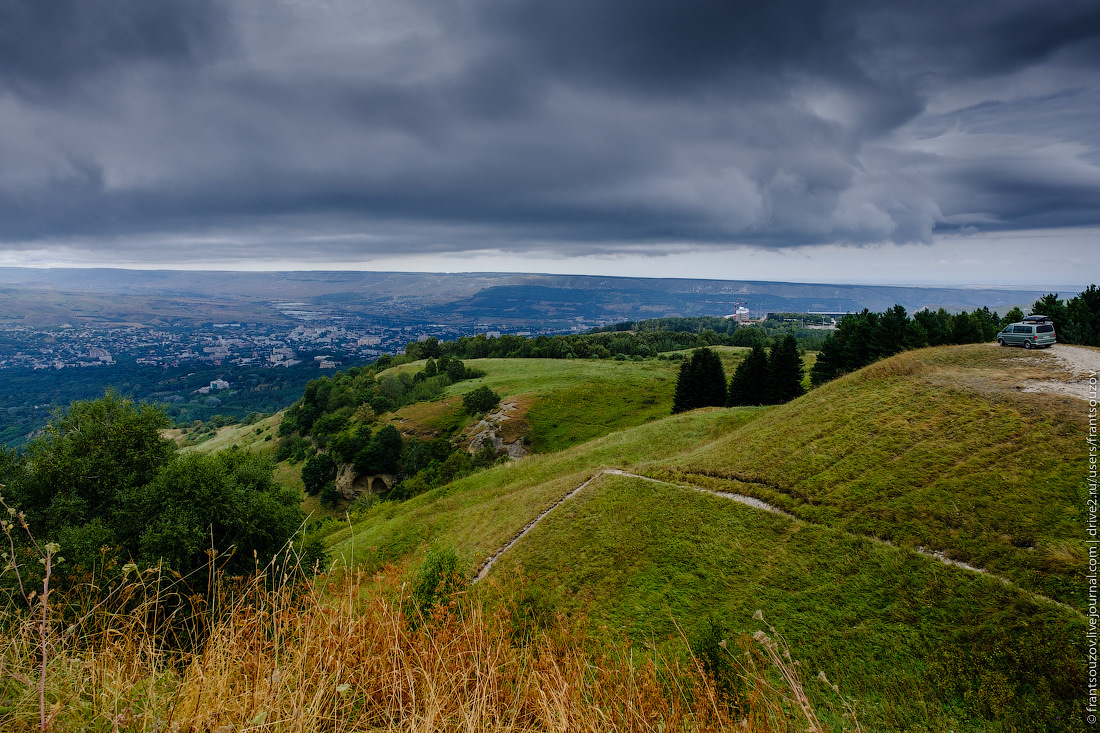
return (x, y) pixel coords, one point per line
(351, 485)
(490, 427)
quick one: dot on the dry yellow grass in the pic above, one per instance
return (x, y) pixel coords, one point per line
(352, 654)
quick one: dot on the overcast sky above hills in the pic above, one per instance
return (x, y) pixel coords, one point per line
(858, 140)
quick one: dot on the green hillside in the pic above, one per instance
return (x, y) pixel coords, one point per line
(566, 401)
(935, 449)
(920, 645)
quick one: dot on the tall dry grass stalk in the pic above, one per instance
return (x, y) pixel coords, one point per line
(350, 653)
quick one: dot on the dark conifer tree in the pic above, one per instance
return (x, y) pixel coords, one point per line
(915, 335)
(1083, 318)
(888, 336)
(683, 400)
(785, 372)
(711, 378)
(702, 382)
(749, 383)
(964, 330)
(1051, 306)
(936, 325)
(829, 364)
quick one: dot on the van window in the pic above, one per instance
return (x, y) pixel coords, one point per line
(1021, 329)
(1045, 328)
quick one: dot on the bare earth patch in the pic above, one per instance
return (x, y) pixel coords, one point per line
(504, 427)
(1079, 363)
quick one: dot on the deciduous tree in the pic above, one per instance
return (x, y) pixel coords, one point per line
(318, 471)
(101, 476)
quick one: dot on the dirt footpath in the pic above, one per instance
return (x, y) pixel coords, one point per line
(1080, 364)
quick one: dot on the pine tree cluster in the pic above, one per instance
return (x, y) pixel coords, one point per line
(761, 379)
(702, 382)
(768, 379)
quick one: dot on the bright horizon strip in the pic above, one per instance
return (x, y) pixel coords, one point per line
(1063, 261)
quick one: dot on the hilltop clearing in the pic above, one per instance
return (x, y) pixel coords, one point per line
(1079, 361)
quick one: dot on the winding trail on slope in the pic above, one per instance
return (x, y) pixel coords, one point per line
(486, 566)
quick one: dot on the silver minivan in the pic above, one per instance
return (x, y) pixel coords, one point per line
(1032, 332)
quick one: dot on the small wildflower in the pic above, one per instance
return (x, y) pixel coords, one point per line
(758, 616)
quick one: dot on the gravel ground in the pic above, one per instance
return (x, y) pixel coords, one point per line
(1080, 362)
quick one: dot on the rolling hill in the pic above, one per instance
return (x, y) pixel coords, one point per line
(928, 561)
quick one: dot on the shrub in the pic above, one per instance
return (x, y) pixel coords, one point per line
(318, 471)
(330, 497)
(440, 577)
(480, 400)
(101, 476)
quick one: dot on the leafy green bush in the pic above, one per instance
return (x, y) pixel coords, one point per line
(347, 444)
(102, 476)
(329, 496)
(441, 575)
(382, 454)
(480, 400)
(318, 471)
(293, 448)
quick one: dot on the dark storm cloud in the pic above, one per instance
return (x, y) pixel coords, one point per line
(583, 125)
(49, 45)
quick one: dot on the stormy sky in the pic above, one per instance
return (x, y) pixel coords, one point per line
(858, 140)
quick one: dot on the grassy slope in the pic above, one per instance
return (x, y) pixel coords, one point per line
(881, 453)
(933, 448)
(481, 512)
(578, 399)
(920, 645)
(261, 435)
(566, 402)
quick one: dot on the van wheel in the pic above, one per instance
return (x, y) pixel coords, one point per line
(1027, 345)
(1000, 342)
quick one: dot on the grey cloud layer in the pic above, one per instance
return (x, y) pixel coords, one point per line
(432, 125)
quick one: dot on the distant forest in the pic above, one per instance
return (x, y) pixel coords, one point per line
(627, 340)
